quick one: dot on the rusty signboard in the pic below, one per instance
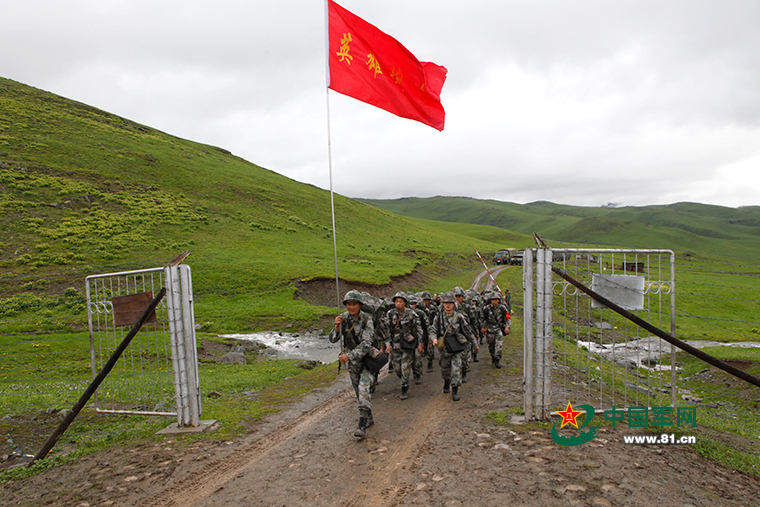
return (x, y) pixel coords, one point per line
(127, 310)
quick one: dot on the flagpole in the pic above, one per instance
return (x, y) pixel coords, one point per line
(329, 149)
(332, 201)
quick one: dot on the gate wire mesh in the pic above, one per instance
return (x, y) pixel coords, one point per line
(142, 381)
(594, 356)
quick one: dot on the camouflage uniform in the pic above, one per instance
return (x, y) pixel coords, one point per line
(455, 326)
(508, 300)
(425, 340)
(430, 310)
(495, 322)
(508, 303)
(467, 310)
(398, 326)
(357, 334)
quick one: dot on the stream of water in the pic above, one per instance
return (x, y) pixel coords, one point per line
(306, 346)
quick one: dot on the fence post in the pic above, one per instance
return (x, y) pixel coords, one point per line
(673, 390)
(184, 351)
(540, 310)
(528, 345)
(544, 322)
(191, 349)
(548, 345)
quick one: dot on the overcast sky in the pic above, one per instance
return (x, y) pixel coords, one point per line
(576, 102)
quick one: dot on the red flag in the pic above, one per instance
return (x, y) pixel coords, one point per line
(371, 66)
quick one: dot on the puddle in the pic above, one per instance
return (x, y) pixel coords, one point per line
(312, 347)
(645, 353)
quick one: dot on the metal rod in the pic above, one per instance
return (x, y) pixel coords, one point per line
(135, 412)
(489, 273)
(736, 372)
(97, 381)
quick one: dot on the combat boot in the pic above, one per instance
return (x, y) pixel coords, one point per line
(404, 392)
(464, 377)
(361, 431)
(497, 363)
(370, 419)
(446, 385)
(430, 365)
(455, 393)
(417, 379)
(475, 357)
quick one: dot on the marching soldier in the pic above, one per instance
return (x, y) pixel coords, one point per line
(495, 318)
(452, 336)
(355, 330)
(508, 304)
(472, 321)
(424, 341)
(430, 311)
(402, 331)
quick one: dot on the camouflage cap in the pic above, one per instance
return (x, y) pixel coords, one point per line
(413, 299)
(458, 291)
(494, 294)
(426, 295)
(448, 297)
(353, 295)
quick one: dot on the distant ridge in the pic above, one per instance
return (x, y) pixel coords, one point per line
(682, 225)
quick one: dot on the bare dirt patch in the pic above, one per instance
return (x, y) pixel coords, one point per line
(321, 291)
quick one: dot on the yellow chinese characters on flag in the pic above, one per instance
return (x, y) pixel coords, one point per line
(371, 66)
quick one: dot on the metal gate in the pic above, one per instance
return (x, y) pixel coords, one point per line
(577, 350)
(158, 373)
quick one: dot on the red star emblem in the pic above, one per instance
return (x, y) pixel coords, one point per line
(569, 416)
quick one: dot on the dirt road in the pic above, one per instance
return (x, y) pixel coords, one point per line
(426, 450)
(489, 281)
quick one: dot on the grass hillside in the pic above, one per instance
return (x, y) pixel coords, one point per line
(682, 226)
(83, 191)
